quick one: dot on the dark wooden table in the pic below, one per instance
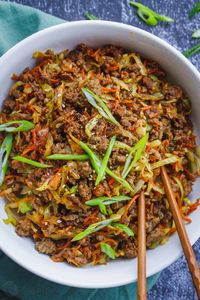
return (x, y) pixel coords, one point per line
(175, 282)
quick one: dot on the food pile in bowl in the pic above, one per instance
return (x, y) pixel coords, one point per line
(82, 133)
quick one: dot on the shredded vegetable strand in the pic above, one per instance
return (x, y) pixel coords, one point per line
(22, 125)
(68, 157)
(5, 150)
(105, 160)
(139, 147)
(30, 162)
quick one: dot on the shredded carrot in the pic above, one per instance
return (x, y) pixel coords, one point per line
(107, 240)
(185, 218)
(111, 181)
(146, 107)
(151, 208)
(91, 218)
(108, 90)
(83, 73)
(189, 174)
(116, 103)
(181, 177)
(112, 68)
(128, 206)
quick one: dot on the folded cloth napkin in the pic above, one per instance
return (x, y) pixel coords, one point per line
(16, 23)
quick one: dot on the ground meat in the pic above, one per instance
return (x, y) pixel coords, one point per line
(102, 189)
(154, 236)
(23, 227)
(85, 169)
(130, 249)
(45, 246)
(75, 257)
(84, 190)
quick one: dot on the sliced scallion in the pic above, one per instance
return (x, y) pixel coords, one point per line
(22, 125)
(5, 150)
(30, 162)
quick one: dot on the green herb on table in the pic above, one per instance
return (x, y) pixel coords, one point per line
(90, 16)
(22, 125)
(5, 150)
(149, 16)
(30, 162)
(192, 51)
(24, 207)
(195, 10)
(196, 34)
(105, 160)
(108, 250)
(68, 157)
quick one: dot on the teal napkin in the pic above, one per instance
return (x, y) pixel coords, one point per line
(16, 23)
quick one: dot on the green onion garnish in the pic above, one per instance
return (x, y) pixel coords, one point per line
(107, 200)
(96, 163)
(105, 160)
(192, 51)
(90, 16)
(149, 16)
(22, 125)
(24, 207)
(195, 10)
(108, 250)
(125, 228)
(5, 149)
(68, 157)
(30, 162)
(101, 106)
(196, 34)
(92, 228)
(139, 147)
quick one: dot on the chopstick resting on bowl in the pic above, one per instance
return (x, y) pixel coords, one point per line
(141, 288)
(184, 239)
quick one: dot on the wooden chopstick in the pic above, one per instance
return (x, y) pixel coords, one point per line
(141, 288)
(185, 242)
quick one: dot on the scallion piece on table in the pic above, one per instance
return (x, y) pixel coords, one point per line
(68, 157)
(194, 10)
(192, 51)
(96, 163)
(30, 162)
(139, 147)
(92, 228)
(149, 16)
(5, 150)
(21, 125)
(196, 34)
(105, 160)
(108, 250)
(102, 108)
(125, 228)
(90, 16)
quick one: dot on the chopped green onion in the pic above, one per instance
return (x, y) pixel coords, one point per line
(90, 16)
(68, 157)
(196, 34)
(102, 209)
(107, 200)
(102, 109)
(194, 10)
(96, 163)
(149, 16)
(192, 51)
(105, 160)
(139, 147)
(108, 250)
(24, 207)
(23, 125)
(30, 162)
(5, 150)
(125, 228)
(92, 228)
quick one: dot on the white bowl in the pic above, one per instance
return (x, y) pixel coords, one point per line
(98, 33)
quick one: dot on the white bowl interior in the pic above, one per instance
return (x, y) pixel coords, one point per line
(95, 34)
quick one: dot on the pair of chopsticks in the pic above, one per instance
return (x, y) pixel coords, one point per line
(185, 242)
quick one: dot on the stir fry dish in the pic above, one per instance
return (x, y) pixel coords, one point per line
(82, 133)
